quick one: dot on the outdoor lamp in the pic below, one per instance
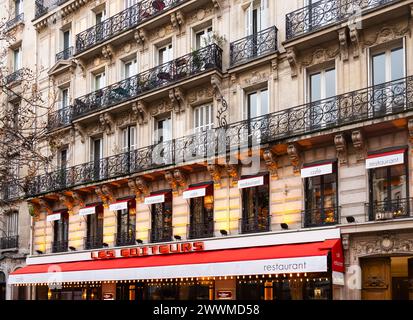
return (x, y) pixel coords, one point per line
(284, 226)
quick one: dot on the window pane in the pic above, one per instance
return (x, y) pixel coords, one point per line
(252, 105)
(264, 102)
(397, 64)
(315, 87)
(379, 69)
(330, 83)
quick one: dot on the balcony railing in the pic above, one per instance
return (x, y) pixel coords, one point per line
(60, 246)
(255, 224)
(65, 54)
(353, 107)
(125, 238)
(327, 12)
(390, 209)
(123, 21)
(204, 59)
(11, 242)
(43, 6)
(319, 217)
(254, 46)
(163, 234)
(16, 20)
(93, 242)
(59, 118)
(200, 230)
(14, 77)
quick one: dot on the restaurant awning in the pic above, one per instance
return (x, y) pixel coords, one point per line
(195, 192)
(280, 259)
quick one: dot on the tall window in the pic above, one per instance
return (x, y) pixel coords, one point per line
(100, 16)
(130, 3)
(64, 95)
(130, 68)
(18, 7)
(203, 118)
(129, 141)
(163, 129)
(161, 222)
(126, 225)
(257, 103)
(256, 208)
(61, 233)
(389, 191)
(12, 223)
(17, 59)
(66, 39)
(99, 81)
(96, 156)
(201, 222)
(165, 54)
(321, 199)
(100, 30)
(322, 86)
(203, 38)
(94, 238)
(256, 17)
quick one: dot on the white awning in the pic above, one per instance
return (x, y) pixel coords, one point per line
(158, 198)
(54, 217)
(87, 211)
(317, 170)
(385, 159)
(119, 205)
(195, 192)
(251, 182)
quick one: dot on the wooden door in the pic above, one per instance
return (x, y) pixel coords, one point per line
(376, 279)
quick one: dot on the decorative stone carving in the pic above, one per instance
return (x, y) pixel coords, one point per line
(200, 95)
(294, 156)
(271, 162)
(321, 55)
(358, 144)
(45, 206)
(140, 110)
(354, 38)
(105, 193)
(78, 198)
(180, 178)
(169, 177)
(140, 37)
(107, 122)
(177, 97)
(387, 33)
(292, 60)
(341, 148)
(162, 107)
(410, 128)
(67, 201)
(81, 66)
(218, 7)
(274, 67)
(79, 128)
(342, 37)
(177, 20)
(215, 172)
(256, 77)
(108, 52)
(142, 185)
(385, 243)
(216, 85)
(232, 171)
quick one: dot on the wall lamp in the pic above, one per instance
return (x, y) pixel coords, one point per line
(284, 226)
(223, 232)
(177, 237)
(350, 219)
(105, 245)
(139, 241)
(39, 251)
(72, 248)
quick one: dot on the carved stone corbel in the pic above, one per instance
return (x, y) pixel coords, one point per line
(215, 172)
(232, 171)
(45, 205)
(108, 123)
(105, 193)
(142, 185)
(342, 37)
(341, 148)
(79, 128)
(358, 144)
(271, 162)
(180, 178)
(217, 7)
(178, 101)
(354, 37)
(108, 52)
(140, 37)
(177, 20)
(169, 177)
(67, 201)
(132, 185)
(78, 198)
(410, 129)
(292, 60)
(140, 110)
(216, 85)
(274, 67)
(81, 66)
(295, 159)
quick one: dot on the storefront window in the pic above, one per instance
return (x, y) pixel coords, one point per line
(126, 225)
(321, 199)
(94, 237)
(256, 208)
(202, 215)
(61, 233)
(161, 225)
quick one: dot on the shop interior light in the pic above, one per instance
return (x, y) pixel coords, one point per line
(177, 237)
(139, 241)
(350, 219)
(284, 226)
(223, 232)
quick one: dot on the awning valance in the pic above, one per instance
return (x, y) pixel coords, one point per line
(195, 192)
(385, 159)
(87, 210)
(156, 198)
(316, 170)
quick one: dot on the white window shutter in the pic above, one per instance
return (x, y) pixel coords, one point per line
(125, 140)
(248, 19)
(264, 14)
(133, 140)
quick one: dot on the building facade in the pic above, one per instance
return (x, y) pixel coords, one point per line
(221, 149)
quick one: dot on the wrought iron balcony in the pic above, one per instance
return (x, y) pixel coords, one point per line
(327, 12)
(365, 104)
(60, 246)
(59, 118)
(253, 46)
(93, 242)
(16, 20)
(10, 242)
(123, 21)
(255, 224)
(390, 209)
(200, 230)
(125, 238)
(199, 61)
(43, 6)
(162, 234)
(66, 54)
(319, 217)
(14, 77)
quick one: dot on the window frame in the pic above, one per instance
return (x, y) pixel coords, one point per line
(200, 113)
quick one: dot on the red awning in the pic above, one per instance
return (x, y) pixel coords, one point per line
(198, 187)
(388, 153)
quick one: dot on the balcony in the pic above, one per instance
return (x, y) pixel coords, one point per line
(125, 239)
(43, 6)
(389, 210)
(255, 224)
(197, 62)
(10, 242)
(93, 242)
(123, 21)
(325, 13)
(320, 217)
(200, 230)
(15, 21)
(66, 54)
(60, 246)
(16, 76)
(59, 118)
(254, 46)
(163, 234)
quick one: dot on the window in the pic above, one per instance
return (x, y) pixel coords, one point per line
(130, 68)
(99, 81)
(17, 59)
(129, 141)
(63, 159)
(100, 16)
(130, 3)
(161, 222)
(257, 103)
(126, 225)
(201, 221)
(64, 94)
(203, 38)
(165, 54)
(18, 7)
(163, 129)
(203, 118)
(256, 17)
(12, 223)
(9, 235)
(96, 156)
(94, 238)
(321, 199)
(61, 233)
(389, 192)
(256, 215)
(66, 39)
(322, 92)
